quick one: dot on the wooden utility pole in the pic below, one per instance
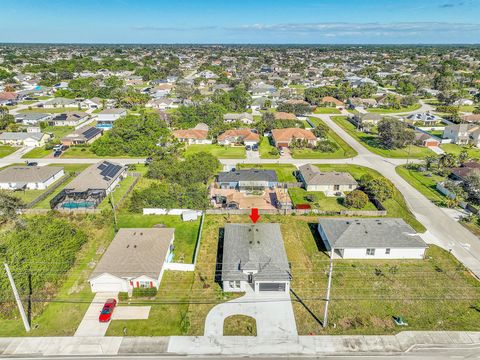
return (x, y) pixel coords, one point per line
(17, 298)
(327, 298)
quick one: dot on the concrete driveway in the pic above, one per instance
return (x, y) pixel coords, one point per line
(131, 313)
(272, 311)
(90, 326)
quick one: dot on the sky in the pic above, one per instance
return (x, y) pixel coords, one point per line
(244, 21)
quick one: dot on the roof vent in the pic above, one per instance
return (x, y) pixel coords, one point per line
(128, 245)
(134, 246)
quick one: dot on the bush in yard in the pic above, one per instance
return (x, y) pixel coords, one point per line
(356, 199)
(327, 146)
(144, 292)
(380, 188)
(122, 296)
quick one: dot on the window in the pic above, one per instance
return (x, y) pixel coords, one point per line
(371, 252)
(237, 284)
(387, 251)
(231, 284)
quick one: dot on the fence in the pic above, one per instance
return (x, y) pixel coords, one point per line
(49, 191)
(288, 185)
(130, 188)
(157, 211)
(297, 212)
(60, 210)
(179, 267)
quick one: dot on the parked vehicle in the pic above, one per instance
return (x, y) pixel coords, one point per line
(107, 311)
(57, 153)
(32, 163)
(255, 147)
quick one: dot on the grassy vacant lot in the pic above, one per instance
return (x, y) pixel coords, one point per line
(321, 202)
(395, 111)
(62, 316)
(370, 141)
(326, 110)
(425, 182)
(186, 232)
(240, 325)
(265, 147)
(51, 111)
(285, 172)
(473, 152)
(37, 153)
(6, 150)
(346, 150)
(222, 152)
(396, 207)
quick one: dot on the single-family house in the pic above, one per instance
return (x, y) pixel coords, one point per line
(197, 135)
(426, 119)
(366, 238)
(82, 136)
(93, 103)
(134, 259)
(247, 179)
(90, 187)
(426, 140)
(32, 118)
(29, 177)
(238, 136)
(332, 102)
(280, 115)
(327, 181)
(460, 173)
(463, 134)
(60, 103)
(284, 137)
(69, 118)
(254, 257)
(31, 139)
(245, 118)
(107, 117)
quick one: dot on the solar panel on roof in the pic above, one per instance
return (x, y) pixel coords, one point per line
(101, 166)
(91, 132)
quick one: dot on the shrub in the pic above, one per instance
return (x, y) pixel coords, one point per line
(144, 292)
(380, 188)
(356, 199)
(123, 296)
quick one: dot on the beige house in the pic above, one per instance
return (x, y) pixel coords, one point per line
(327, 182)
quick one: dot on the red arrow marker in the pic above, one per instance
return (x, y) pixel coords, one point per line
(254, 215)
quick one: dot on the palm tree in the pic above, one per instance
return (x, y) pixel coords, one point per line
(463, 156)
(430, 160)
(447, 160)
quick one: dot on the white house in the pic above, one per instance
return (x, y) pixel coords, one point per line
(29, 177)
(30, 139)
(107, 117)
(254, 257)
(367, 238)
(326, 181)
(134, 259)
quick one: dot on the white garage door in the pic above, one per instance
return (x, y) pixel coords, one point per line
(108, 285)
(272, 287)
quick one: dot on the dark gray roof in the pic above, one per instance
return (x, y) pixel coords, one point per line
(97, 176)
(28, 174)
(31, 116)
(136, 252)
(313, 176)
(375, 233)
(257, 247)
(248, 175)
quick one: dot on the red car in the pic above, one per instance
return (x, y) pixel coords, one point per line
(107, 310)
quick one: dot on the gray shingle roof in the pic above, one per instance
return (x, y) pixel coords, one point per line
(28, 174)
(135, 252)
(92, 178)
(248, 175)
(313, 176)
(21, 136)
(374, 233)
(256, 247)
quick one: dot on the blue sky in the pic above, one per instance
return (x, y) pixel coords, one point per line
(244, 21)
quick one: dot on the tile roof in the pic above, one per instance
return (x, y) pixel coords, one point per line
(290, 133)
(313, 176)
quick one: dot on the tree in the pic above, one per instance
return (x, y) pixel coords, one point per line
(447, 160)
(9, 204)
(429, 160)
(463, 157)
(356, 199)
(380, 188)
(394, 134)
(472, 186)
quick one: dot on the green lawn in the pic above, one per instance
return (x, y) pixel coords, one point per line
(396, 207)
(6, 150)
(473, 152)
(37, 153)
(28, 195)
(392, 111)
(467, 108)
(186, 232)
(265, 147)
(285, 172)
(118, 193)
(321, 202)
(370, 141)
(326, 110)
(222, 152)
(74, 295)
(345, 149)
(50, 111)
(80, 152)
(423, 183)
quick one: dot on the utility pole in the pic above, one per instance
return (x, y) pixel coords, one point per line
(114, 211)
(17, 298)
(327, 299)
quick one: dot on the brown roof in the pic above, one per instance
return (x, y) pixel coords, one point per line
(466, 169)
(297, 102)
(284, 116)
(471, 118)
(136, 252)
(290, 133)
(331, 99)
(8, 96)
(190, 134)
(245, 134)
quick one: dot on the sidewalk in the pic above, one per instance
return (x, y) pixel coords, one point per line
(237, 345)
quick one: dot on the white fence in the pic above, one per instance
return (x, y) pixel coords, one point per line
(155, 211)
(179, 267)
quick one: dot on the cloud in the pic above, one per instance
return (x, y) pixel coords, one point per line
(358, 29)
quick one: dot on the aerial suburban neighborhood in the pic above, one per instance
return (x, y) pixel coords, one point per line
(241, 200)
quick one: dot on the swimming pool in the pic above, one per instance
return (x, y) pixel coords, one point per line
(78, 205)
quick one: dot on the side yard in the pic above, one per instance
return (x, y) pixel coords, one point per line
(285, 172)
(221, 152)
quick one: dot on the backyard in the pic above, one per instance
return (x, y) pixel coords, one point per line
(285, 172)
(370, 141)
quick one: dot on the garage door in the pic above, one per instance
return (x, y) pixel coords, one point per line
(272, 287)
(107, 286)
